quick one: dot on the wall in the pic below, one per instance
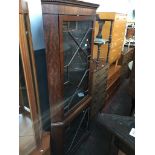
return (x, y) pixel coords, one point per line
(120, 6)
(35, 13)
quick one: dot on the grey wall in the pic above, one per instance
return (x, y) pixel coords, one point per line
(35, 13)
(120, 6)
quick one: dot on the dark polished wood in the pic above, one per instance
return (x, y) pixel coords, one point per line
(57, 139)
(54, 14)
(72, 3)
(51, 34)
(54, 79)
(55, 9)
(68, 7)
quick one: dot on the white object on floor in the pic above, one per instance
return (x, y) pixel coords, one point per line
(132, 132)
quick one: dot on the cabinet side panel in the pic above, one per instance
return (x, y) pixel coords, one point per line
(53, 66)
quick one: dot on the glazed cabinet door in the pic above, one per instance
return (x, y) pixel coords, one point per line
(75, 53)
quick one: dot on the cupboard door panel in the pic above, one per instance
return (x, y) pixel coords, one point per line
(75, 56)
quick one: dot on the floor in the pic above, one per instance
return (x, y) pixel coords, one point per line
(26, 135)
(98, 143)
(121, 102)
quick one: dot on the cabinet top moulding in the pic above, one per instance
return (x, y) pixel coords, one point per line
(68, 7)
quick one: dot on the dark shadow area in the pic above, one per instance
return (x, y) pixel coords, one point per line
(99, 141)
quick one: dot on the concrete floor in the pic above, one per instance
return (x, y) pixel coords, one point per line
(26, 135)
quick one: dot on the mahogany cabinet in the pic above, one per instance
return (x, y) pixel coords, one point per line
(69, 34)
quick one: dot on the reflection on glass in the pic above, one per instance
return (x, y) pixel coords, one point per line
(77, 44)
(75, 131)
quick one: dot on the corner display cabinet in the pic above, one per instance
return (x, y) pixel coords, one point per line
(68, 31)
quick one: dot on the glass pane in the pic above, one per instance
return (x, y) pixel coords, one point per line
(75, 131)
(76, 44)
